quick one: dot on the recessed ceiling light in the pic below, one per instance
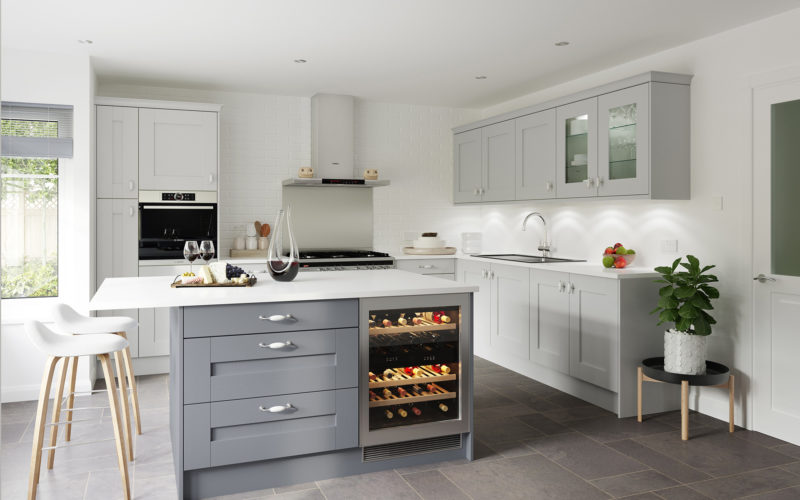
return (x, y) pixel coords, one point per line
(480, 77)
(562, 44)
(300, 61)
(86, 42)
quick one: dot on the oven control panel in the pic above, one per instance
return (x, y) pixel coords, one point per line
(177, 196)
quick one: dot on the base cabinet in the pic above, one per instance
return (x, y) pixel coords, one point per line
(550, 321)
(154, 322)
(501, 307)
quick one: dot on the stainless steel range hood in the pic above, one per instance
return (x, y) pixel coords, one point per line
(332, 144)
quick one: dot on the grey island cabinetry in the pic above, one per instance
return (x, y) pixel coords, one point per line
(330, 375)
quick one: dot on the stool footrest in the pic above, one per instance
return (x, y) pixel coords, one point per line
(76, 443)
(65, 422)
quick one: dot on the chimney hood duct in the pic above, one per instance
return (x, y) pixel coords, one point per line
(332, 144)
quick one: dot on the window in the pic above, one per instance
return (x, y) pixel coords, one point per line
(34, 137)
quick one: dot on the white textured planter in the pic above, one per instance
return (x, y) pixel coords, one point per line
(684, 353)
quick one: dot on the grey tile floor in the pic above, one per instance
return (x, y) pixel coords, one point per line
(532, 442)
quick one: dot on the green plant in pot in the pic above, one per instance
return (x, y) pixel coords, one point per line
(685, 300)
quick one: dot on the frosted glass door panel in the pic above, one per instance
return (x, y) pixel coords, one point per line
(622, 142)
(785, 175)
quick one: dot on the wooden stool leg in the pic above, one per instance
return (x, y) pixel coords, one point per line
(38, 430)
(684, 410)
(639, 394)
(59, 395)
(730, 404)
(112, 403)
(132, 385)
(123, 403)
(72, 374)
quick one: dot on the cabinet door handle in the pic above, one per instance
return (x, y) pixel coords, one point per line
(548, 186)
(600, 181)
(278, 345)
(131, 185)
(426, 266)
(572, 288)
(589, 183)
(476, 192)
(561, 286)
(491, 275)
(210, 178)
(278, 408)
(484, 273)
(130, 211)
(277, 318)
(483, 191)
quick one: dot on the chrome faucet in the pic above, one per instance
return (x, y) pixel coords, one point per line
(544, 246)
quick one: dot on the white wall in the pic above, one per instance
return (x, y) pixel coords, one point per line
(723, 66)
(53, 79)
(265, 139)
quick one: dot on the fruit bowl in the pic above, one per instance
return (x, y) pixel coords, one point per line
(628, 259)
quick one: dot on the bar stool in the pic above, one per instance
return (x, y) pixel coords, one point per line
(58, 347)
(70, 321)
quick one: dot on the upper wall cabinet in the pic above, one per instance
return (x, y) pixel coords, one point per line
(627, 139)
(117, 152)
(485, 164)
(177, 150)
(536, 156)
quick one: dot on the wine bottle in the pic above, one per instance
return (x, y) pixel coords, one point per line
(388, 413)
(416, 411)
(387, 393)
(402, 412)
(443, 407)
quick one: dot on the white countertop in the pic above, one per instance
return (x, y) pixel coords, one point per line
(133, 293)
(584, 268)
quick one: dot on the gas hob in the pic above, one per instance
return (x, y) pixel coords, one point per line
(344, 260)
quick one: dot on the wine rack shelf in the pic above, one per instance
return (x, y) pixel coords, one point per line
(402, 378)
(425, 326)
(413, 397)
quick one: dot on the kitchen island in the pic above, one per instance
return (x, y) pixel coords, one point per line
(329, 375)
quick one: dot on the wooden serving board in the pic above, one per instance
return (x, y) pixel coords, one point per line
(243, 254)
(177, 284)
(429, 251)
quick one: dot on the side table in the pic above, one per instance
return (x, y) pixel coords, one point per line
(717, 375)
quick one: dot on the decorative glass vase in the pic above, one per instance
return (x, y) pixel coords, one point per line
(283, 259)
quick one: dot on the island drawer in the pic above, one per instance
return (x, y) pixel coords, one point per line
(247, 430)
(427, 266)
(211, 321)
(258, 365)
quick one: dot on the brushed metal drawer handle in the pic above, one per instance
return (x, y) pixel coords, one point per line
(278, 408)
(278, 318)
(278, 345)
(426, 266)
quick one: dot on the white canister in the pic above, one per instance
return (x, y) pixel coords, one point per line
(238, 243)
(252, 242)
(263, 242)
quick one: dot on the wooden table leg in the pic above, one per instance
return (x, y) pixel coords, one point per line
(639, 394)
(684, 410)
(730, 404)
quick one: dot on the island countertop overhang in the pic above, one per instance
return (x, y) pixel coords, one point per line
(146, 292)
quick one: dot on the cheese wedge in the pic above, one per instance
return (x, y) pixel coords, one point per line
(218, 271)
(208, 278)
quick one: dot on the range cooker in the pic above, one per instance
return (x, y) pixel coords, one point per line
(344, 260)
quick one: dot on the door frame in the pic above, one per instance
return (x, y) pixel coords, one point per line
(756, 83)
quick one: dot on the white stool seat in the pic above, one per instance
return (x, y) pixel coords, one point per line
(64, 346)
(70, 321)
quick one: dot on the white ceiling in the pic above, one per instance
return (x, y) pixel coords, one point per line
(413, 51)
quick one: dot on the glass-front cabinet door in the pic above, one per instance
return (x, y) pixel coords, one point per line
(576, 149)
(623, 147)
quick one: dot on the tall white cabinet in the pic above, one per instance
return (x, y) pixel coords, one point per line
(147, 145)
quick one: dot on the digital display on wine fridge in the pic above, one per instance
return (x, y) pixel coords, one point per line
(414, 366)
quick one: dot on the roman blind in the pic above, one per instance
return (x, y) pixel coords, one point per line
(36, 130)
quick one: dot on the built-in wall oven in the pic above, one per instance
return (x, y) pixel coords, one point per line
(168, 219)
(415, 367)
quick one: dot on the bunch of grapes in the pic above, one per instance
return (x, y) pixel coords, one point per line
(233, 271)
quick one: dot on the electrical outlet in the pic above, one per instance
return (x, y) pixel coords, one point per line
(716, 203)
(669, 246)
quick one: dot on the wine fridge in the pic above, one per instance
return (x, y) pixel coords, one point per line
(415, 367)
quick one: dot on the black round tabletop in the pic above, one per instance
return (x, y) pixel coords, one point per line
(716, 373)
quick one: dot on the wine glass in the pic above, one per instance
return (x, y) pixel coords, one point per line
(191, 252)
(207, 250)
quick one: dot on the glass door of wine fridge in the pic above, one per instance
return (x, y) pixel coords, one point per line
(415, 367)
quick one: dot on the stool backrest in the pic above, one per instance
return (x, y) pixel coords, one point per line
(41, 336)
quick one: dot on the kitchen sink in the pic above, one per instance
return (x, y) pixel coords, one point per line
(530, 259)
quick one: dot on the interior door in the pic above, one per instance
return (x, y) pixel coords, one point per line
(576, 149)
(536, 155)
(510, 310)
(776, 260)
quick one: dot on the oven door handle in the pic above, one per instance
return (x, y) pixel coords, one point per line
(177, 207)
